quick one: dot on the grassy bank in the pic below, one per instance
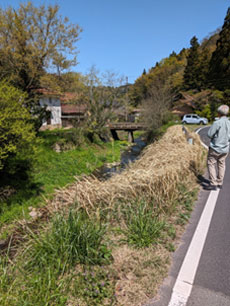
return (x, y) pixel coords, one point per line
(194, 127)
(117, 259)
(32, 187)
(108, 243)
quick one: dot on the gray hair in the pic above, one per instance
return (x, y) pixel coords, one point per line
(223, 110)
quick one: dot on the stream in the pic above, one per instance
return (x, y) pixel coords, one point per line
(127, 156)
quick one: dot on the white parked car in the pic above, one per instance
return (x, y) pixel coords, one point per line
(194, 119)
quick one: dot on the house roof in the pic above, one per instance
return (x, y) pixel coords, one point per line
(68, 96)
(47, 92)
(71, 96)
(187, 99)
(73, 108)
(182, 110)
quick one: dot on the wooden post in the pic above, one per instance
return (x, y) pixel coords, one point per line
(114, 134)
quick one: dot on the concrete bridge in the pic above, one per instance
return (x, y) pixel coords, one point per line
(130, 127)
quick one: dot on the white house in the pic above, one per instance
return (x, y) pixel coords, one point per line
(52, 102)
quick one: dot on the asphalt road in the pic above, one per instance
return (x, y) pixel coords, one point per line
(212, 281)
(203, 135)
(211, 286)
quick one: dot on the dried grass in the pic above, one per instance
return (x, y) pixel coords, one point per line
(138, 272)
(155, 175)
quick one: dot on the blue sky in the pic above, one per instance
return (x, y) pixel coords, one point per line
(126, 36)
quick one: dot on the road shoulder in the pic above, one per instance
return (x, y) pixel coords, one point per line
(165, 292)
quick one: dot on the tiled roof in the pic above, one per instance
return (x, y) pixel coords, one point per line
(68, 96)
(73, 108)
(71, 96)
(47, 92)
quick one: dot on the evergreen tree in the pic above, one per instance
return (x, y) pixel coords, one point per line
(173, 54)
(219, 70)
(202, 78)
(191, 73)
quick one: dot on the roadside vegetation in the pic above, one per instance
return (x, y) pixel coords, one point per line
(106, 242)
(67, 236)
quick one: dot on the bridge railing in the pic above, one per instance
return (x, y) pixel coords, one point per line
(126, 126)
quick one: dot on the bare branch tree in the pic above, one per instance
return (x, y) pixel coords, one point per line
(156, 106)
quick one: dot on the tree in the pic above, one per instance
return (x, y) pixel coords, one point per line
(16, 130)
(173, 54)
(32, 40)
(202, 78)
(219, 70)
(66, 82)
(156, 107)
(169, 70)
(102, 99)
(138, 90)
(210, 40)
(191, 73)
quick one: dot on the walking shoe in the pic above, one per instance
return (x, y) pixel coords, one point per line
(220, 186)
(210, 187)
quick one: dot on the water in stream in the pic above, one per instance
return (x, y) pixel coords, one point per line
(128, 156)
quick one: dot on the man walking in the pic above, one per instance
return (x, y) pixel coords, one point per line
(219, 133)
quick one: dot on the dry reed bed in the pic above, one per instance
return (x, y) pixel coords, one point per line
(156, 174)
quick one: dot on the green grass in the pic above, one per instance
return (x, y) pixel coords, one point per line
(123, 135)
(71, 240)
(193, 127)
(143, 227)
(165, 126)
(137, 134)
(43, 273)
(51, 170)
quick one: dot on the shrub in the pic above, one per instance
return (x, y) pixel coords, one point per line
(77, 135)
(16, 130)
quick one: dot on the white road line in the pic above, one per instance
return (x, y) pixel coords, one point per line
(201, 128)
(203, 144)
(183, 286)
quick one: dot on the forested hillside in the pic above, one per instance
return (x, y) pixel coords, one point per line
(199, 74)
